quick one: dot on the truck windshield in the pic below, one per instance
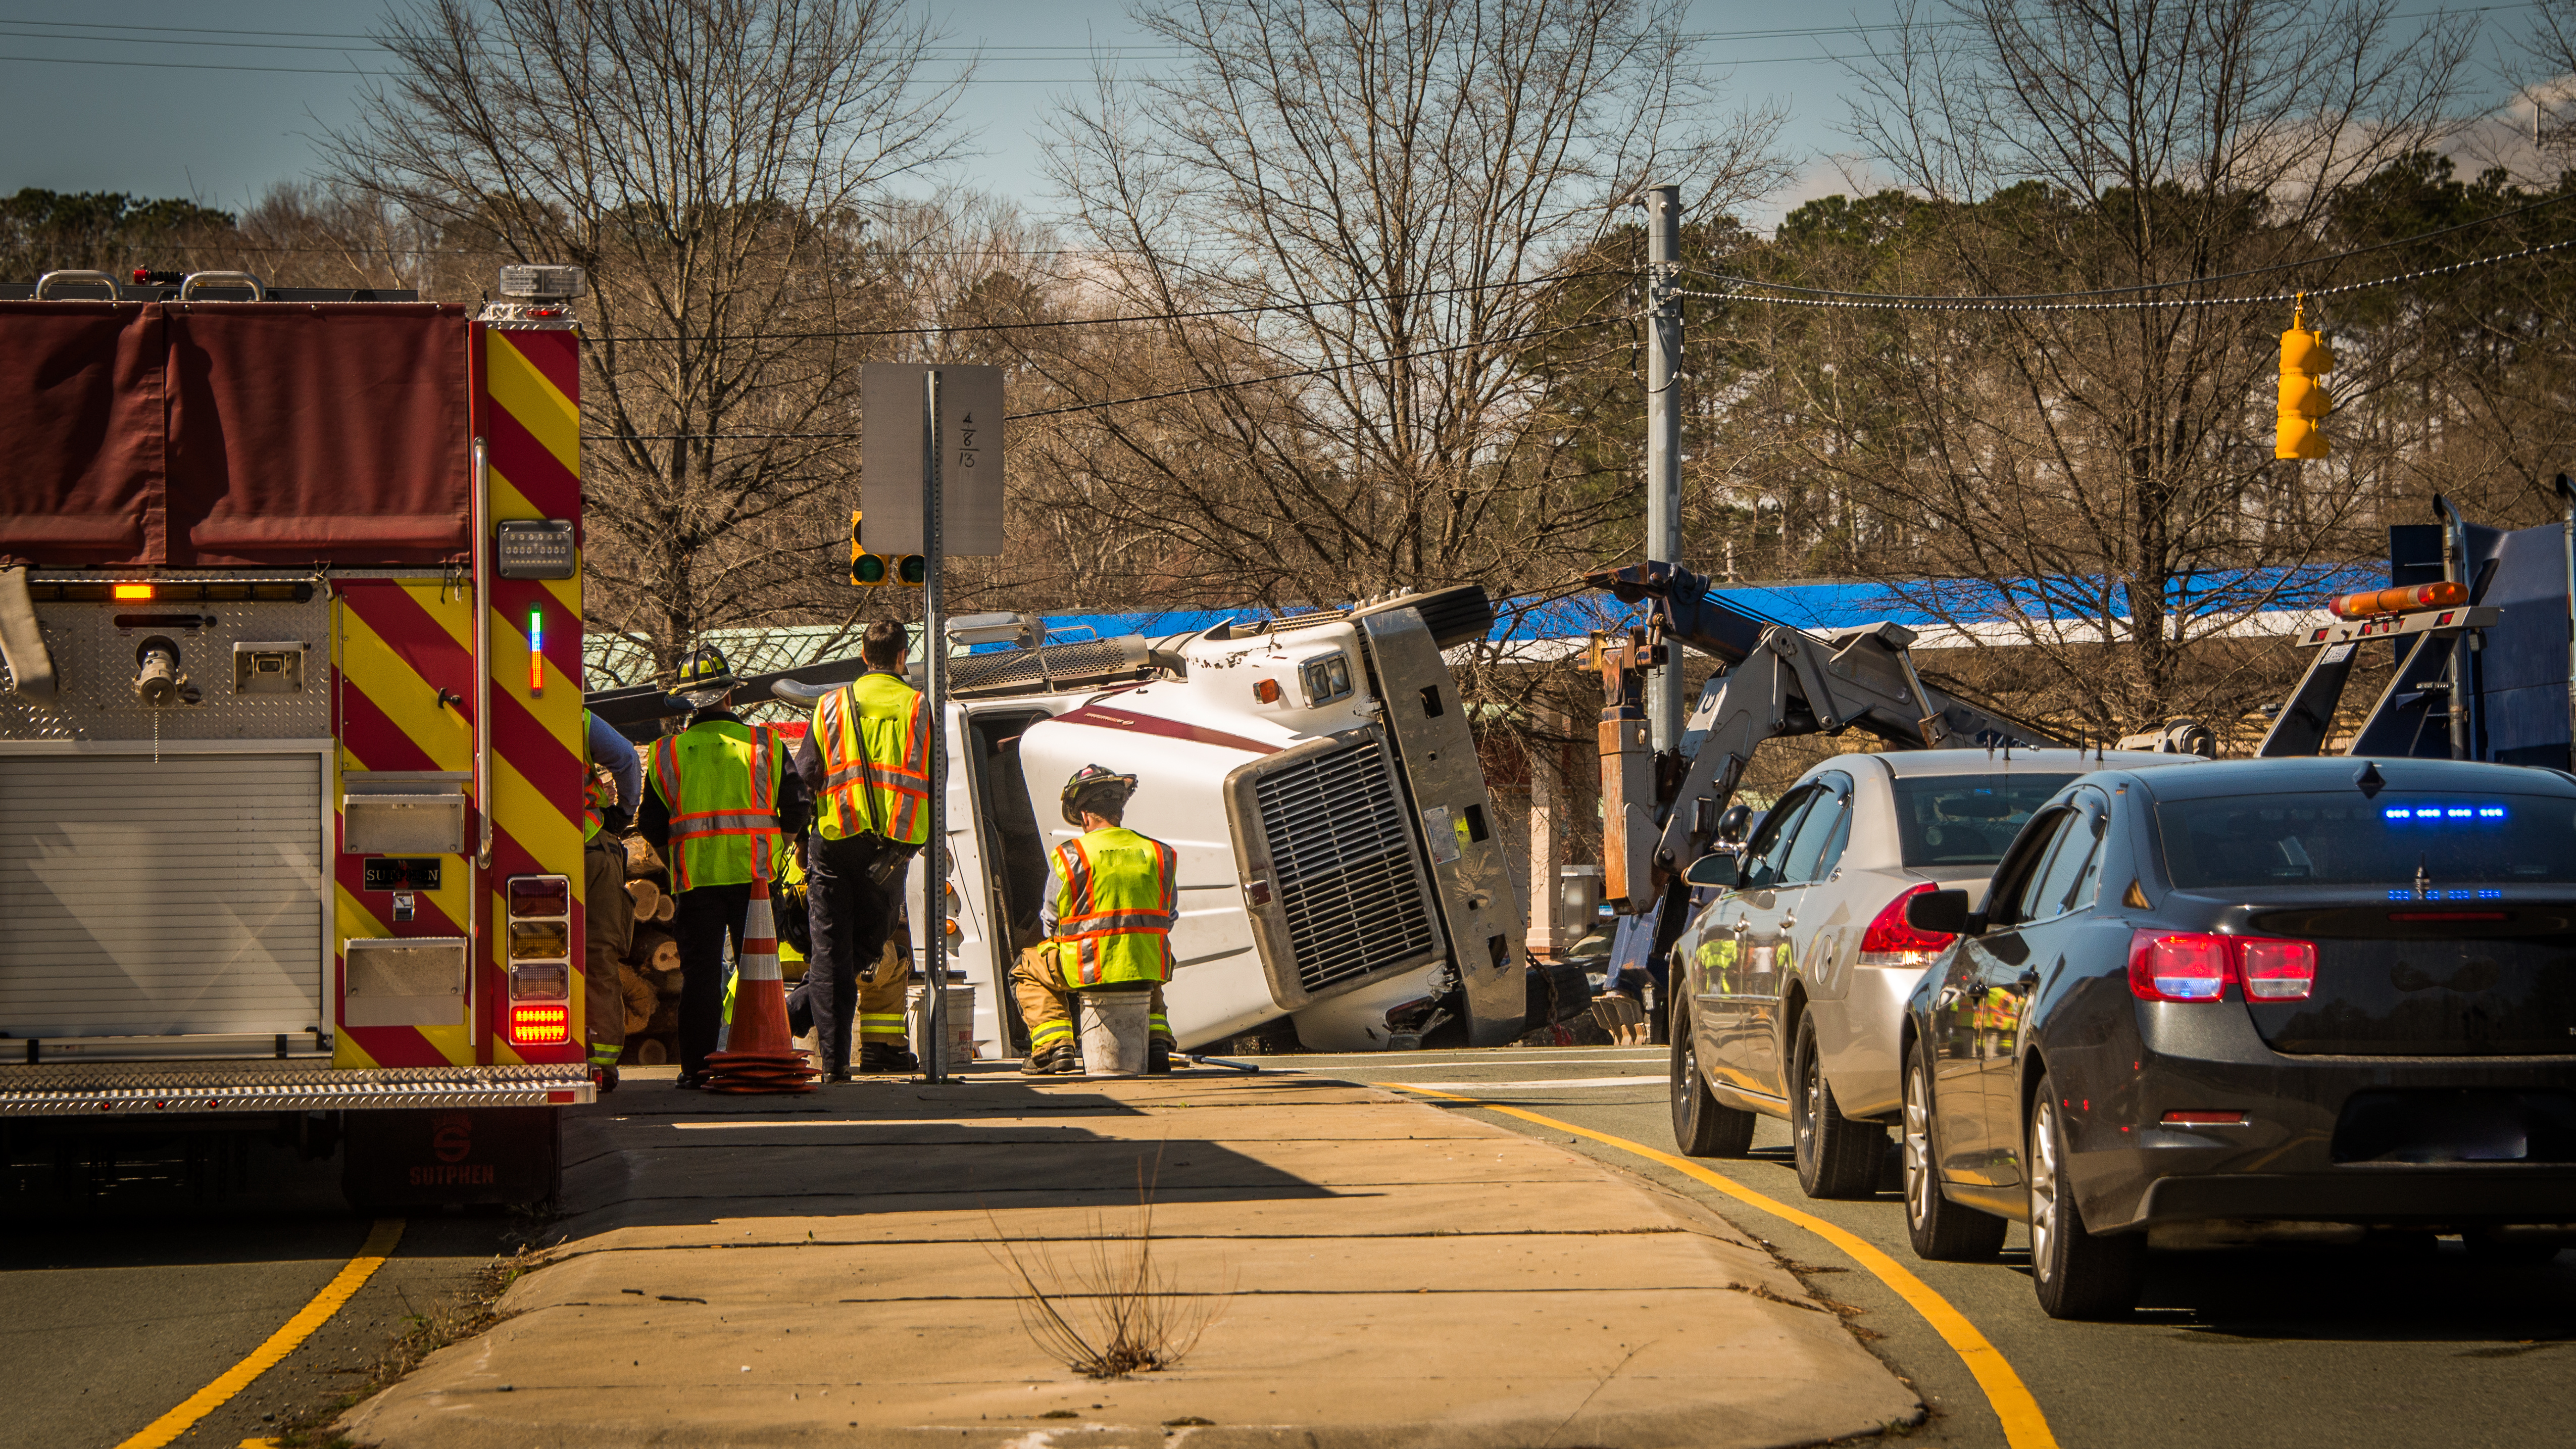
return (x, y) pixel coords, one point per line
(1944, 820)
(2468, 847)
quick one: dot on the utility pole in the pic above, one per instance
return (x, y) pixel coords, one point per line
(934, 643)
(1663, 438)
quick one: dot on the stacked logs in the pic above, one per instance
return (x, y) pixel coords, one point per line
(651, 973)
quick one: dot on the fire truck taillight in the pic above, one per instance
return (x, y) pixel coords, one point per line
(540, 1025)
(122, 592)
(540, 960)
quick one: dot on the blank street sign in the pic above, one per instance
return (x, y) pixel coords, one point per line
(970, 480)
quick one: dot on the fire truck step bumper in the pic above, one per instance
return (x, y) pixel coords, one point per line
(100, 1090)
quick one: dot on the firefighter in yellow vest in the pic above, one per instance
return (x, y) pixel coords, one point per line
(723, 809)
(608, 913)
(867, 761)
(1108, 915)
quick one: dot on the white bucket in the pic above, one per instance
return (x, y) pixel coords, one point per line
(1117, 1031)
(961, 1022)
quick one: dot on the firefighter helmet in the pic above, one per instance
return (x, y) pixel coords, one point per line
(705, 677)
(1099, 789)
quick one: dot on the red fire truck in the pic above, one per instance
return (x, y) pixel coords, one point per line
(291, 743)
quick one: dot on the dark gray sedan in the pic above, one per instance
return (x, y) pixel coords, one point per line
(2264, 1001)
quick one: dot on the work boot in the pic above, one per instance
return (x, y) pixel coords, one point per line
(604, 1077)
(881, 1058)
(1158, 1059)
(1039, 1064)
(1068, 1060)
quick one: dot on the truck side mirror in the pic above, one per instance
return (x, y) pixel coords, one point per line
(1712, 870)
(1943, 913)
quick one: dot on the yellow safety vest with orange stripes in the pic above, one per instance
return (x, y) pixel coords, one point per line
(874, 736)
(1114, 910)
(721, 781)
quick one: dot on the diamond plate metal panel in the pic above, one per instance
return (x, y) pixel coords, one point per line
(94, 662)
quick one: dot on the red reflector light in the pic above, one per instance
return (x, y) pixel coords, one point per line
(130, 591)
(2204, 1119)
(1890, 941)
(540, 895)
(541, 1025)
(2199, 966)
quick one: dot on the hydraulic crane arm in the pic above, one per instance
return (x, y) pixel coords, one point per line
(1775, 681)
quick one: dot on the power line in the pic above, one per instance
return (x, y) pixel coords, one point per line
(1113, 321)
(1321, 371)
(2016, 300)
(1973, 304)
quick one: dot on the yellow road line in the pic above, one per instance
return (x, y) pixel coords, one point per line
(342, 1287)
(2025, 1427)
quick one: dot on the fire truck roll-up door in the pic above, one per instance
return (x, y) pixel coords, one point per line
(210, 922)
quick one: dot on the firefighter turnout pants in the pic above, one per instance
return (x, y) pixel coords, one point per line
(608, 929)
(1046, 1004)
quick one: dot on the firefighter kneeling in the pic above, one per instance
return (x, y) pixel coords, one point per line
(1108, 918)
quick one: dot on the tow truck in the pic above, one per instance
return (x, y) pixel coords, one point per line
(291, 743)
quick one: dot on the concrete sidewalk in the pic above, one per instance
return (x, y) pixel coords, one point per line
(1376, 1271)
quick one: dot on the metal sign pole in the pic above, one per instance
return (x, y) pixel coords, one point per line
(934, 916)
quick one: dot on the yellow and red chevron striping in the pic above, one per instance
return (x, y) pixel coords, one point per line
(399, 644)
(526, 410)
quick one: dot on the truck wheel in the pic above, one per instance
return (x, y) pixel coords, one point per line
(2078, 1275)
(1701, 1125)
(1837, 1156)
(1941, 1231)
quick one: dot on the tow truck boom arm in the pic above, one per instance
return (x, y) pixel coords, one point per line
(1775, 681)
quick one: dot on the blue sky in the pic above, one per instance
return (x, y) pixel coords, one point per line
(216, 99)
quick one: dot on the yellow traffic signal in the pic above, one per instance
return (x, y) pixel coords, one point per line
(869, 570)
(2304, 399)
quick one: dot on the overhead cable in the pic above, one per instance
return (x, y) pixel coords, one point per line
(1112, 321)
(1939, 301)
(1121, 402)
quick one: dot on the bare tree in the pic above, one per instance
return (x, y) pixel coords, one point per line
(2092, 476)
(1375, 192)
(713, 164)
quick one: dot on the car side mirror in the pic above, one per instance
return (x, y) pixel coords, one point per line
(1942, 913)
(1716, 870)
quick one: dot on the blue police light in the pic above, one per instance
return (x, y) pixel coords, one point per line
(2469, 814)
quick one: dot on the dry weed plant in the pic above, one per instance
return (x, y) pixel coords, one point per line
(1112, 1311)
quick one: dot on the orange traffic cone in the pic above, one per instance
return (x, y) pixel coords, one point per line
(761, 1056)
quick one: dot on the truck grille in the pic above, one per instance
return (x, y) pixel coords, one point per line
(1344, 866)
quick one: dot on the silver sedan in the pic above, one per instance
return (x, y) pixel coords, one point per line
(1789, 985)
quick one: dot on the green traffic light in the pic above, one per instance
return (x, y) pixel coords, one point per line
(913, 569)
(867, 568)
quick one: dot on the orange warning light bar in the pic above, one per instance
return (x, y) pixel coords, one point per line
(2404, 599)
(121, 592)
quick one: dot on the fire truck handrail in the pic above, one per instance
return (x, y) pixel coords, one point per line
(82, 276)
(188, 288)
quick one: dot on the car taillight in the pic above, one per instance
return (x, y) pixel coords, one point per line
(2277, 970)
(2199, 966)
(1889, 941)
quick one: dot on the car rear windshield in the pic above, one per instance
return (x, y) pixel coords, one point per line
(1946, 820)
(2463, 844)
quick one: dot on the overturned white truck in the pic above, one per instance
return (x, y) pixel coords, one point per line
(1341, 863)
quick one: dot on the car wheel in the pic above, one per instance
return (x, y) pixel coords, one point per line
(1940, 1230)
(2078, 1274)
(1702, 1125)
(1837, 1156)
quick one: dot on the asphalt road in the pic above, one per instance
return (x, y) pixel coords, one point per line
(2332, 1348)
(116, 1309)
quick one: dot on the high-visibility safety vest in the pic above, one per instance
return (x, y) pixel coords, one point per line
(874, 735)
(720, 780)
(1113, 913)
